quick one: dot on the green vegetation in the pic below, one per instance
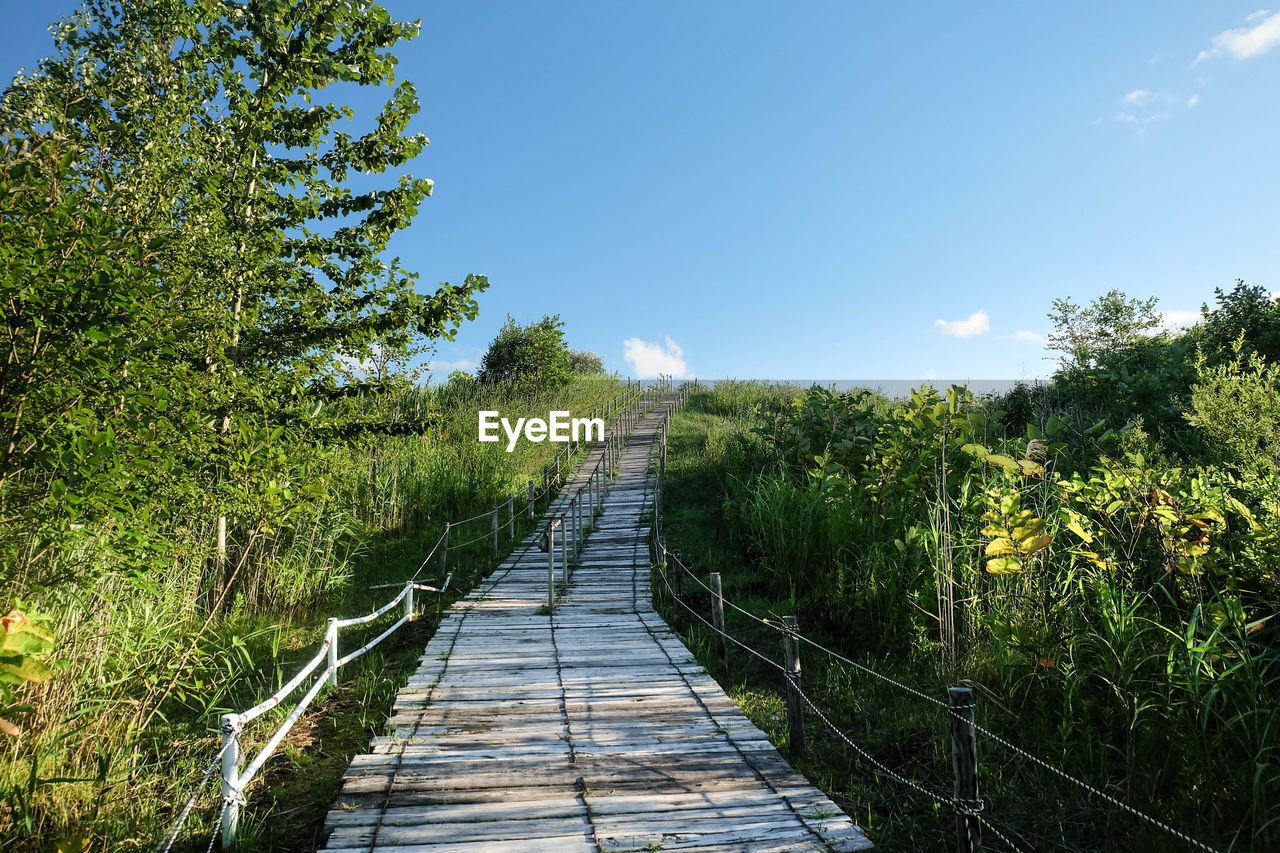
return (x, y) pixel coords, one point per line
(533, 357)
(212, 435)
(149, 661)
(1109, 588)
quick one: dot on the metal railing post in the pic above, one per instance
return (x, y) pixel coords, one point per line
(230, 725)
(717, 618)
(964, 760)
(444, 553)
(795, 706)
(331, 634)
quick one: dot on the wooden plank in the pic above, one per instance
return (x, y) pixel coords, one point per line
(592, 728)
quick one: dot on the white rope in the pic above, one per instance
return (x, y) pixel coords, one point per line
(360, 620)
(270, 702)
(172, 834)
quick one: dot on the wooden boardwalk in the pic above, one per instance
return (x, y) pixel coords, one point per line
(593, 729)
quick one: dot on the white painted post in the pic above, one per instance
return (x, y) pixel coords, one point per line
(444, 553)
(230, 726)
(331, 634)
(408, 600)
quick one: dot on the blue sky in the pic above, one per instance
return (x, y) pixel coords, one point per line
(807, 189)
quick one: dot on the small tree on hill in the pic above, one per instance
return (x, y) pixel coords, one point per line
(532, 358)
(1248, 312)
(585, 362)
(1111, 324)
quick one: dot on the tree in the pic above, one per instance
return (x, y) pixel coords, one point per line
(1249, 315)
(1111, 324)
(585, 362)
(186, 133)
(532, 358)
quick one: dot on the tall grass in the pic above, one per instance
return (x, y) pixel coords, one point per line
(149, 661)
(1156, 685)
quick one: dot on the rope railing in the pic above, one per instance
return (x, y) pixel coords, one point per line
(575, 512)
(966, 805)
(230, 756)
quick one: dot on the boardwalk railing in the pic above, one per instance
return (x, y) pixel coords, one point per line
(623, 411)
(958, 707)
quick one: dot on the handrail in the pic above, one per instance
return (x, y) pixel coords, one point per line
(971, 809)
(234, 780)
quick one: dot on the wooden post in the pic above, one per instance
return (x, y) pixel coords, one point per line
(564, 551)
(511, 517)
(795, 706)
(444, 553)
(408, 600)
(545, 481)
(220, 549)
(493, 533)
(573, 528)
(530, 507)
(717, 618)
(230, 726)
(551, 564)
(557, 466)
(964, 760)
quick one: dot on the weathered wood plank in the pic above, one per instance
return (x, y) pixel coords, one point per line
(590, 728)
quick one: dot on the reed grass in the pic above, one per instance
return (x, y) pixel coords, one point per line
(119, 737)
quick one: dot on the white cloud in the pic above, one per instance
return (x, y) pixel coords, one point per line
(652, 360)
(1142, 108)
(1192, 101)
(1029, 337)
(1173, 320)
(461, 364)
(1246, 42)
(977, 323)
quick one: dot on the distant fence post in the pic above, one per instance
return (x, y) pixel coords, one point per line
(444, 553)
(511, 517)
(795, 708)
(573, 527)
(551, 565)
(493, 533)
(230, 726)
(964, 760)
(530, 500)
(564, 550)
(717, 618)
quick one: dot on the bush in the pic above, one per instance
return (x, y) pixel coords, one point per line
(529, 358)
